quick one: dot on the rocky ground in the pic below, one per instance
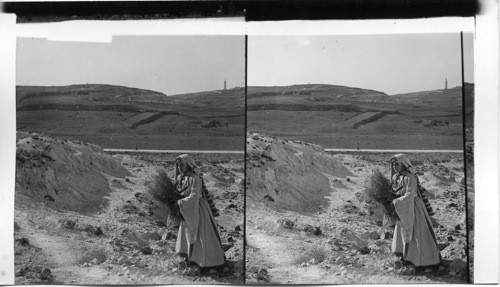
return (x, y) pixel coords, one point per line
(345, 239)
(118, 234)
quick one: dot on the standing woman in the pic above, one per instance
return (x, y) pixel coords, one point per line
(198, 237)
(414, 237)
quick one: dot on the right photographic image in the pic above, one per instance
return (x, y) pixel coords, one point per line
(359, 159)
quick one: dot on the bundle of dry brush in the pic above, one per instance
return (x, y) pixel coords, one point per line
(378, 188)
(163, 189)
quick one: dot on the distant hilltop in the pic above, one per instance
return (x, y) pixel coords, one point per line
(84, 92)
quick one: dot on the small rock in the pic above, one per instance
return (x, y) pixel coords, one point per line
(160, 223)
(20, 272)
(286, 223)
(428, 270)
(68, 223)
(38, 269)
(268, 198)
(254, 269)
(227, 246)
(457, 227)
(226, 269)
(122, 260)
(95, 261)
(174, 269)
(169, 236)
(262, 275)
(230, 239)
(390, 269)
(450, 238)
(313, 261)
(46, 274)
(146, 250)
(23, 241)
(238, 228)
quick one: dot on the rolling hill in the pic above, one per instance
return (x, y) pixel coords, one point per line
(345, 117)
(123, 117)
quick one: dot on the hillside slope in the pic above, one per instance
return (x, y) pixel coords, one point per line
(347, 117)
(122, 117)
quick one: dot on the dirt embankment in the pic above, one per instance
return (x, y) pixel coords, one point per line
(290, 174)
(65, 174)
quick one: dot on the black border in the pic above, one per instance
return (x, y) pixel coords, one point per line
(245, 170)
(252, 10)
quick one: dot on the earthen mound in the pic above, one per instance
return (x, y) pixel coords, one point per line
(67, 175)
(290, 174)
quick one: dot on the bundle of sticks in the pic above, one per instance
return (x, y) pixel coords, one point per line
(164, 190)
(379, 189)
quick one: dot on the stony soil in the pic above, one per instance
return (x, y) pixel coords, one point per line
(346, 240)
(127, 237)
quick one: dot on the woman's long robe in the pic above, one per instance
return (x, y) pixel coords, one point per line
(198, 236)
(413, 234)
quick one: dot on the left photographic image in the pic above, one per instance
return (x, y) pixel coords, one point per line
(130, 160)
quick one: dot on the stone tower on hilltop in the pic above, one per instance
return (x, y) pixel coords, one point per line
(445, 84)
(224, 84)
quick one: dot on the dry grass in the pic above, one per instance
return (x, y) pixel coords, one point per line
(379, 189)
(163, 190)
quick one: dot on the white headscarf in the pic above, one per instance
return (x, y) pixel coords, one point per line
(187, 159)
(402, 159)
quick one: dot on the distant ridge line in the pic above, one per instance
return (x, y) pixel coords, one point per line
(396, 150)
(172, 151)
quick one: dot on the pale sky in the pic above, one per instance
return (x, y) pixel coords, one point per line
(167, 64)
(389, 63)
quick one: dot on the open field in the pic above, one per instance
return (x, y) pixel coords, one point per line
(83, 216)
(308, 220)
